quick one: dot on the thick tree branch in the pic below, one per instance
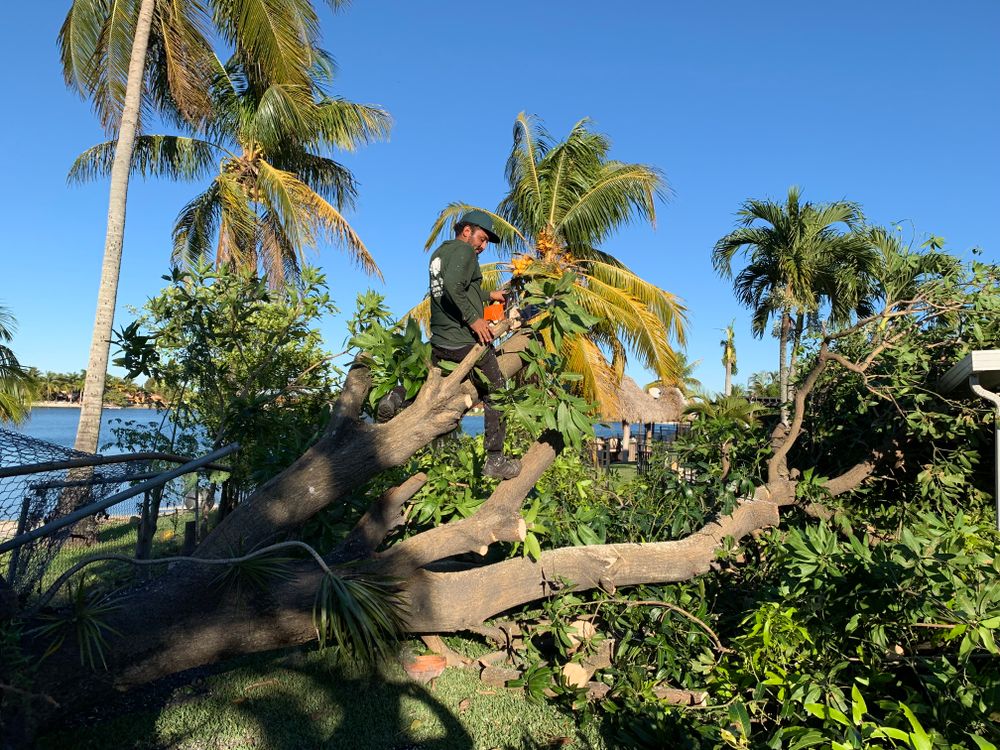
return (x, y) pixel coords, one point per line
(498, 519)
(385, 515)
(439, 602)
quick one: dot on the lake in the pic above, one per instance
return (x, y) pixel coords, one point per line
(58, 425)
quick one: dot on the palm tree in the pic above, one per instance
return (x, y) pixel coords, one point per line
(16, 385)
(803, 258)
(565, 199)
(728, 345)
(764, 384)
(272, 194)
(105, 49)
(900, 268)
(735, 409)
(684, 379)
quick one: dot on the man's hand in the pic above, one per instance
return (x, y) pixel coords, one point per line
(500, 295)
(482, 330)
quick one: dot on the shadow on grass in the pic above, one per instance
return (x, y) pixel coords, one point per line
(299, 700)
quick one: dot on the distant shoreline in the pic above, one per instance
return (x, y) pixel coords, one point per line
(76, 405)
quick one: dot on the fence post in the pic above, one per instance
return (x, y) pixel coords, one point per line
(15, 556)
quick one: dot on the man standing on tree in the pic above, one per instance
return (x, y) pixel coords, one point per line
(457, 324)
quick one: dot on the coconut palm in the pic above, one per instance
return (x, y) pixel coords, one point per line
(728, 345)
(16, 384)
(764, 384)
(154, 55)
(273, 193)
(735, 409)
(565, 200)
(683, 380)
(803, 258)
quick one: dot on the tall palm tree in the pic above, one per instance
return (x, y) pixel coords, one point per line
(564, 200)
(728, 345)
(273, 193)
(803, 258)
(155, 55)
(16, 384)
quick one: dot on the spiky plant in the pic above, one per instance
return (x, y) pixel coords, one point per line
(86, 619)
(357, 617)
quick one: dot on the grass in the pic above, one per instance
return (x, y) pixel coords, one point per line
(118, 537)
(304, 699)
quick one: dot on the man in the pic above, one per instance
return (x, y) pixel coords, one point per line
(457, 324)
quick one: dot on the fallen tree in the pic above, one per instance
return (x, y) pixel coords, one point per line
(184, 620)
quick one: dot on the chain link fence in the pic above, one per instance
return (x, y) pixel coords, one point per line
(42, 484)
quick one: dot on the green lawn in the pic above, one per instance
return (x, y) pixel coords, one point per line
(304, 700)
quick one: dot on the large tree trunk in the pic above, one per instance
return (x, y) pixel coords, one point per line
(89, 429)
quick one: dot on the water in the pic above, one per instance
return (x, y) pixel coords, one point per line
(56, 424)
(473, 425)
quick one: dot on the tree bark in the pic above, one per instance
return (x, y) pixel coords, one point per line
(89, 430)
(786, 324)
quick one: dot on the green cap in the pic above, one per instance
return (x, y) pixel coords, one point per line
(482, 220)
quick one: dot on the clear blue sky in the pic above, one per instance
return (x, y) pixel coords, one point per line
(892, 104)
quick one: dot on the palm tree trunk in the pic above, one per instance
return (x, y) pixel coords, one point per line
(729, 379)
(796, 348)
(786, 325)
(89, 429)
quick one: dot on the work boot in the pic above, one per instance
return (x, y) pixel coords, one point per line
(390, 404)
(500, 466)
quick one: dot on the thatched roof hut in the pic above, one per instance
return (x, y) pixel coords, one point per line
(635, 406)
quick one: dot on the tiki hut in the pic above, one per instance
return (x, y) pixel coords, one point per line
(636, 406)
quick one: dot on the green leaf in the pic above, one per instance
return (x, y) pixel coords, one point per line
(739, 718)
(532, 547)
(981, 743)
(858, 707)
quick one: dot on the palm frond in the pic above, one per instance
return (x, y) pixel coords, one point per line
(444, 224)
(283, 112)
(173, 157)
(181, 64)
(237, 242)
(196, 226)
(421, 312)
(600, 380)
(620, 192)
(666, 306)
(358, 618)
(276, 39)
(347, 125)
(79, 41)
(330, 179)
(634, 324)
(304, 215)
(112, 58)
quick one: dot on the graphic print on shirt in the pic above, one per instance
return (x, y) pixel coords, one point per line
(437, 283)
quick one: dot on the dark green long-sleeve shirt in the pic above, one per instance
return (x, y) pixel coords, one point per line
(457, 297)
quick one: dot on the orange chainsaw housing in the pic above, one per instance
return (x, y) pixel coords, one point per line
(493, 312)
